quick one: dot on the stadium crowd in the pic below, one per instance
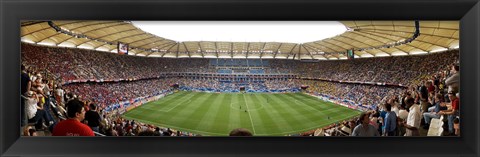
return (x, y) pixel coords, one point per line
(213, 85)
(405, 70)
(432, 80)
(105, 94)
(401, 111)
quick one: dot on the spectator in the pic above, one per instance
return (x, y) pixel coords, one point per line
(73, 126)
(414, 118)
(240, 132)
(433, 111)
(456, 126)
(25, 88)
(365, 129)
(34, 111)
(424, 96)
(92, 118)
(453, 82)
(158, 132)
(390, 122)
(453, 112)
(59, 94)
(147, 133)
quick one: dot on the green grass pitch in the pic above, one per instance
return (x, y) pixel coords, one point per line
(264, 114)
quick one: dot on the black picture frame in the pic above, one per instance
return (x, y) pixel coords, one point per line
(12, 11)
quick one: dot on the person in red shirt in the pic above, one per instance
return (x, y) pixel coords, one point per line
(452, 113)
(73, 126)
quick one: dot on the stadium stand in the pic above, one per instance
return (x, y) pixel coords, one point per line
(108, 80)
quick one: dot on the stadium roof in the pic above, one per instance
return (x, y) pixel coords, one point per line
(366, 38)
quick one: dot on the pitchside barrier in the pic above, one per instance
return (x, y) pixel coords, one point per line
(341, 103)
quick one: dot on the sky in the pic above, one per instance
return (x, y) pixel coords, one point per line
(243, 31)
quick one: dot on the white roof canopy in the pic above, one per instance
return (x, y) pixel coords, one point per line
(367, 38)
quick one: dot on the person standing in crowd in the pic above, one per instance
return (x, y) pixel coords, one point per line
(92, 118)
(414, 118)
(364, 128)
(390, 122)
(453, 82)
(25, 87)
(424, 96)
(73, 126)
(453, 112)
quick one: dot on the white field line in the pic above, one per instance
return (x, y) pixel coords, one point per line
(178, 104)
(217, 134)
(213, 133)
(318, 126)
(251, 121)
(321, 112)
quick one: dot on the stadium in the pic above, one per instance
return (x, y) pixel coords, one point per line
(400, 78)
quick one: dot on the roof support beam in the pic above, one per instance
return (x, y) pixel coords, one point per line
(376, 30)
(307, 51)
(186, 49)
(231, 50)
(149, 43)
(166, 45)
(51, 27)
(299, 50)
(353, 47)
(92, 30)
(374, 33)
(361, 27)
(178, 48)
(106, 36)
(276, 51)
(201, 50)
(396, 47)
(216, 49)
(139, 40)
(332, 44)
(169, 49)
(248, 49)
(72, 29)
(425, 41)
(263, 49)
(332, 50)
(311, 47)
(291, 51)
(365, 43)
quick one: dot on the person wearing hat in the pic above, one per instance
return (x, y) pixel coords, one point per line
(453, 112)
(34, 112)
(73, 126)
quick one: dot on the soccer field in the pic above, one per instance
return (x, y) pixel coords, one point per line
(263, 114)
